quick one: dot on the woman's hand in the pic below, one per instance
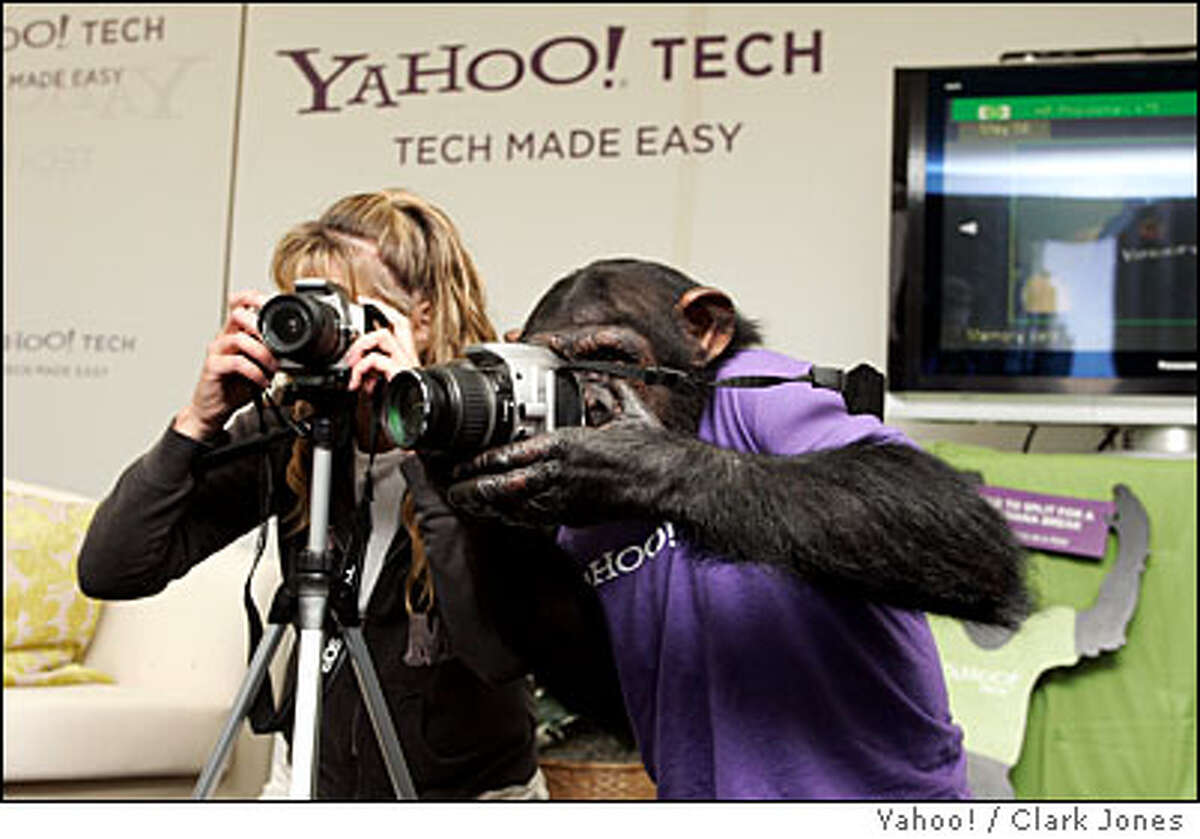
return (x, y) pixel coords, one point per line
(237, 365)
(381, 353)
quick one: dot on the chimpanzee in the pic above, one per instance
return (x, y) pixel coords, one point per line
(762, 557)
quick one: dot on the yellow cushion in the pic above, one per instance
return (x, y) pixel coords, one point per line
(48, 622)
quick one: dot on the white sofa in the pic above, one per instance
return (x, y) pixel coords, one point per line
(177, 660)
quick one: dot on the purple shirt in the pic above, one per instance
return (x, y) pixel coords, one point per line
(743, 681)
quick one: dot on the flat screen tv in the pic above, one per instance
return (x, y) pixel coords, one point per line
(1043, 259)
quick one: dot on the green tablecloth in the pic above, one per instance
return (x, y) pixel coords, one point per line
(1121, 726)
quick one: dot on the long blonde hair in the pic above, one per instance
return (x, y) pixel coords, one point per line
(422, 248)
(313, 249)
(425, 259)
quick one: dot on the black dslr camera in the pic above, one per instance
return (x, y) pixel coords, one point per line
(309, 331)
(496, 394)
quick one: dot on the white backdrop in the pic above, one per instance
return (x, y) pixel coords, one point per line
(118, 137)
(748, 146)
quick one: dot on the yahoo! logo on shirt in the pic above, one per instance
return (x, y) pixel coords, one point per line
(617, 563)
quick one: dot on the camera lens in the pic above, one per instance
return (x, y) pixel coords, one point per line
(410, 408)
(290, 326)
(301, 329)
(449, 407)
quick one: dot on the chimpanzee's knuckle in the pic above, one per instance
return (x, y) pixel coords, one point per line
(547, 473)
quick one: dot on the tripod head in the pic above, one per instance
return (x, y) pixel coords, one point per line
(325, 390)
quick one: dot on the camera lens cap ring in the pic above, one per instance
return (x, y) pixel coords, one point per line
(286, 324)
(410, 408)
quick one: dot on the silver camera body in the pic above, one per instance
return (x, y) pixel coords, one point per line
(310, 330)
(496, 394)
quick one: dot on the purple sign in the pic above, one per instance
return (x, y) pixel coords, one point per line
(1055, 523)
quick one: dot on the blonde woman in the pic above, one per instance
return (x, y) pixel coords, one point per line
(458, 697)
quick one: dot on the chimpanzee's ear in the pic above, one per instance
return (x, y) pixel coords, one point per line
(708, 316)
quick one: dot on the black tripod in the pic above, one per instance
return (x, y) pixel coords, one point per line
(310, 586)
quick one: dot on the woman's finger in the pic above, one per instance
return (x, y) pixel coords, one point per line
(224, 366)
(372, 363)
(243, 311)
(249, 298)
(384, 342)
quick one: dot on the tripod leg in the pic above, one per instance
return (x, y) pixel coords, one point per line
(306, 726)
(241, 707)
(312, 599)
(377, 709)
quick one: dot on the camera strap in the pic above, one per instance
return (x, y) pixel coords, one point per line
(351, 571)
(861, 388)
(263, 716)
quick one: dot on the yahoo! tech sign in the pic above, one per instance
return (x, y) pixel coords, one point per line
(340, 81)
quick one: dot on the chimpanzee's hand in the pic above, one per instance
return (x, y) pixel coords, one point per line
(577, 476)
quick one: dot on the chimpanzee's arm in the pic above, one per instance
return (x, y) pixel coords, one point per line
(885, 522)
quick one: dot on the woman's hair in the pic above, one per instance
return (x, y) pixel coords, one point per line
(398, 248)
(422, 249)
(312, 249)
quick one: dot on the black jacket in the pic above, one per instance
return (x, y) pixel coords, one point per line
(465, 722)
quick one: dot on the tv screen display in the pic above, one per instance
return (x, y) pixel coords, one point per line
(1045, 229)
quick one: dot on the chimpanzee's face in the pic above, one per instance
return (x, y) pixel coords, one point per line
(600, 341)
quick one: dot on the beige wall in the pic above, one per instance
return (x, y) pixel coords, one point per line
(118, 133)
(790, 216)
